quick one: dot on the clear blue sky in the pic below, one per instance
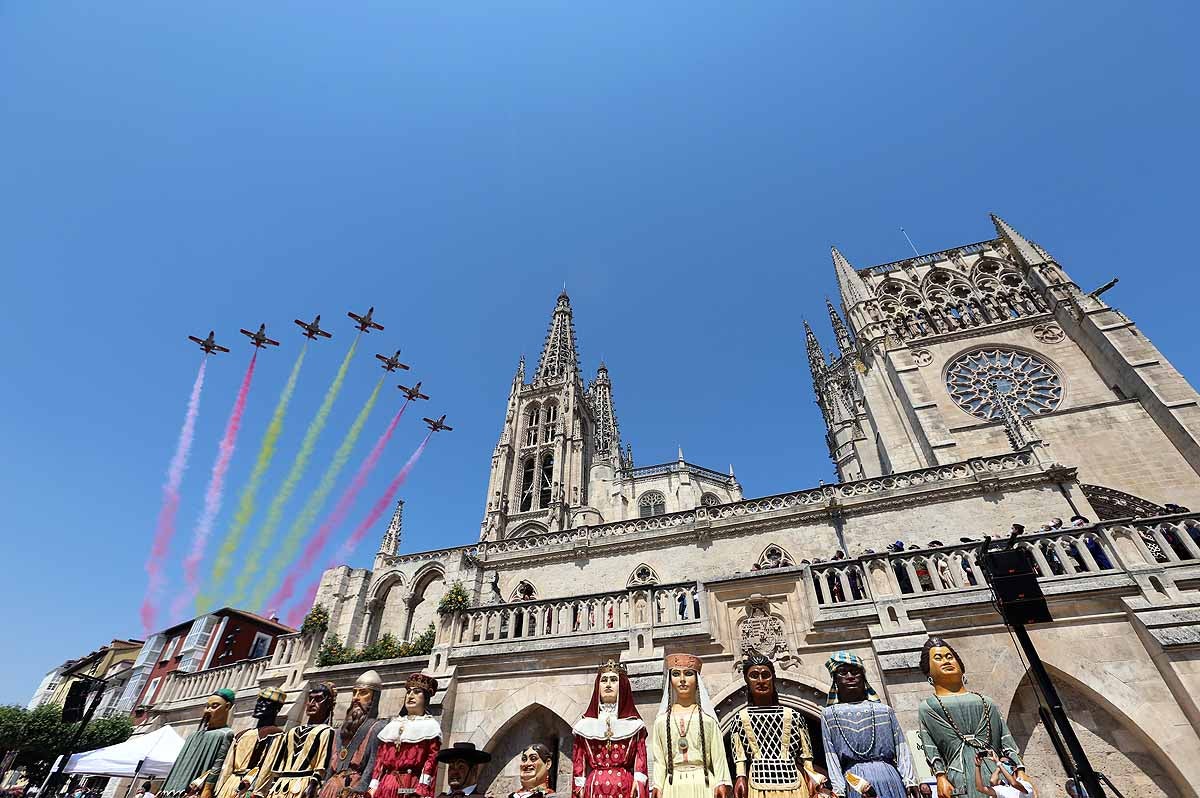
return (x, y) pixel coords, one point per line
(684, 167)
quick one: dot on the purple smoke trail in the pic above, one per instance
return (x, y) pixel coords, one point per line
(212, 497)
(165, 529)
(296, 616)
(340, 510)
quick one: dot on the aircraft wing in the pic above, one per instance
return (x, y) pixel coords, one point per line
(422, 396)
(324, 334)
(356, 317)
(271, 342)
(376, 325)
(197, 340)
(447, 427)
(303, 324)
(219, 348)
(246, 333)
(381, 358)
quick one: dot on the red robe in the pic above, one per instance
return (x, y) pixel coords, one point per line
(406, 760)
(607, 769)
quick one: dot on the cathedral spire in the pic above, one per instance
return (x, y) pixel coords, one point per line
(559, 358)
(1027, 252)
(519, 377)
(839, 328)
(390, 545)
(850, 284)
(816, 358)
(607, 439)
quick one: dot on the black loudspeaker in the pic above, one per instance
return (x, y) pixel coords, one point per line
(1015, 584)
(76, 698)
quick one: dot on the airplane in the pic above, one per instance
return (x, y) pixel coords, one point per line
(438, 424)
(413, 392)
(392, 363)
(209, 345)
(364, 322)
(313, 328)
(259, 339)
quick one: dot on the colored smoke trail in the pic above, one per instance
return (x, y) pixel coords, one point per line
(297, 613)
(316, 501)
(245, 510)
(165, 528)
(335, 518)
(275, 510)
(213, 496)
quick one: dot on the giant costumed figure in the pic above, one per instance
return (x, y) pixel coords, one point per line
(609, 751)
(406, 760)
(772, 751)
(247, 768)
(956, 723)
(199, 762)
(462, 761)
(355, 741)
(303, 759)
(534, 771)
(865, 748)
(689, 752)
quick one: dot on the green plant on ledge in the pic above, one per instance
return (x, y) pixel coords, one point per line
(332, 652)
(316, 622)
(455, 599)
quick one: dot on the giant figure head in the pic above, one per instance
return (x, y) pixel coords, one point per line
(266, 708)
(758, 671)
(462, 764)
(420, 689)
(941, 665)
(364, 703)
(216, 709)
(535, 768)
(319, 705)
(683, 672)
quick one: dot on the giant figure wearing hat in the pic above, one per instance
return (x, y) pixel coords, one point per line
(462, 761)
(355, 741)
(610, 741)
(956, 723)
(247, 768)
(689, 752)
(303, 759)
(866, 751)
(772, 752)
(406, 761)
(199, 762)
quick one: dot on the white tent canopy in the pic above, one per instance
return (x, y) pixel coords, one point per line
(155, 752)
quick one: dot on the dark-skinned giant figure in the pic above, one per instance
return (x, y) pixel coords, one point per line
(772, 752)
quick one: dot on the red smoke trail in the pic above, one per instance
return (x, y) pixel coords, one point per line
(212, 497)
(335, 519)
(165, 529)
(296, 615)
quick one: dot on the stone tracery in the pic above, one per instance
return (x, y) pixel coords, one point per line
(978, 379)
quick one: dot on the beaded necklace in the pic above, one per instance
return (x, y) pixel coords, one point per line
(846, 740)
(987, 721)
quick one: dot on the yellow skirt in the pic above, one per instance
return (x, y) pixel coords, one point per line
(799, 792)
(689, 783)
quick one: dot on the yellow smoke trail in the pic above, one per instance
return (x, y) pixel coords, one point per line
(275, 510)
(308, 514)
(245, 509)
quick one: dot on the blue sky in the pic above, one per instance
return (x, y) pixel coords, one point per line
(683, 167)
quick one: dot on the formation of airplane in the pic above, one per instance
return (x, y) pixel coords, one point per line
(364, 322)
(413, 393)
(436, 425)
(260, 339)
(209, 345)
(313, 328)
(391, 363)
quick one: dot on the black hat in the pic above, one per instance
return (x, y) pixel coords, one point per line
(464, 750)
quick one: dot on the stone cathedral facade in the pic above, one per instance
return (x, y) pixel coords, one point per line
(965, 390)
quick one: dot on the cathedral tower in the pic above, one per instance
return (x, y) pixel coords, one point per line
(541, 463)
(939, 354)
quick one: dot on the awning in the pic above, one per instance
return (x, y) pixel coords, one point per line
(143, 754)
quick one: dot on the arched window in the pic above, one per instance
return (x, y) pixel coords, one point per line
(652, 503)
(549, 418)
(710, 500)
(546, 484)
(527, 483)
(524, 591)
(531, 426)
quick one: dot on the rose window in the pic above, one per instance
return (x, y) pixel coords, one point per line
(979, 381)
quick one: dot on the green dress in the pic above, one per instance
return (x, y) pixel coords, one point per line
(950, 742)
(202, 755)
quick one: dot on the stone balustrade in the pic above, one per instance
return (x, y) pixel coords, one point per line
(1061, 554)
(188, 688)
(645, 605)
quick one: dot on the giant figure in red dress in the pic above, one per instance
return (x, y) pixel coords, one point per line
(610, 741)
(406, 759)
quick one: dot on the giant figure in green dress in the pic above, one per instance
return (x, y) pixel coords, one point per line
(199, 762)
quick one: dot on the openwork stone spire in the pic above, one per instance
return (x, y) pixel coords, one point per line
(839, 328)
(559, 357)
(607, 440)
(850, 284)
(1027, 252)
(816, 358)
(390, 545)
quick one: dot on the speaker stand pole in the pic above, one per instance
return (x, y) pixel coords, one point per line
(1083, 768)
